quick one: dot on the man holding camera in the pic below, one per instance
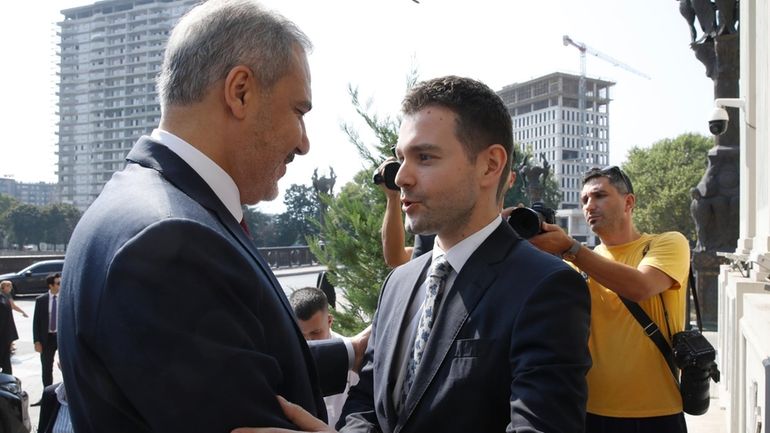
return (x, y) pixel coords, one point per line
(630, 386)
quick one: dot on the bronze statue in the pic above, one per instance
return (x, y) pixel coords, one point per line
(534, 178)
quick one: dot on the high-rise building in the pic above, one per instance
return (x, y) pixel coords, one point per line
(34, 193)
(110, 54)
(549, 124)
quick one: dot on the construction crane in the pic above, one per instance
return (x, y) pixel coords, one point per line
(583, 48)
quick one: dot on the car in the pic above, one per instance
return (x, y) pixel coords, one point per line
(31, 280)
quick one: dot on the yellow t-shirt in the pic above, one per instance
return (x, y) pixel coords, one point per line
(629, 377)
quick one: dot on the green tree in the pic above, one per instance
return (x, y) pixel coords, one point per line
(300, 220)
(663, 175)
(264, 227)
(59, 221)
(25, 224)
(349, 241)
(6, 204)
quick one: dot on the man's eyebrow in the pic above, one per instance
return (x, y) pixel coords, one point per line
(423, 147)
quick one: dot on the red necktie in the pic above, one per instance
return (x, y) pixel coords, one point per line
(245, 227)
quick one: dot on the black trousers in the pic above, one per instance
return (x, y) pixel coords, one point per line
(5, 358)
(655, 424)
(46, 358)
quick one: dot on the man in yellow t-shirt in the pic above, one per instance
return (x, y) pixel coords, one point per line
(630, 386)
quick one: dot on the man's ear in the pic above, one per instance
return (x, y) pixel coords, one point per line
(492, 164)
(239, 90)
(630, 202)
(331, 320)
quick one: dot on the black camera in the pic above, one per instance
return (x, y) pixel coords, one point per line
(527, 221)
(388, 175)
(695, 356)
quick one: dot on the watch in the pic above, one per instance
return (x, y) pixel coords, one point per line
(572, 251)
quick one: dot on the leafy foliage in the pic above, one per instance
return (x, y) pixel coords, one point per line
(352, 251)
(28, 224)
(300, 220)
(663, 175)
(349, 242)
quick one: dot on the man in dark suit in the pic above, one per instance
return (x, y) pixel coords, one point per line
(170, 318)
(44, 326)
(486, 333)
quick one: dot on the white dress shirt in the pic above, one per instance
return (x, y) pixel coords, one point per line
(217, 179)
(457, 256)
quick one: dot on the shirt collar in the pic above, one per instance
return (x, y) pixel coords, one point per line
(217, 179)
(462, 251)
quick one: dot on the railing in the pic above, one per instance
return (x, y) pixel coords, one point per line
(288, 257)
(277, 258)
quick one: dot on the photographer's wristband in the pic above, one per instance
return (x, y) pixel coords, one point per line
(571, 253)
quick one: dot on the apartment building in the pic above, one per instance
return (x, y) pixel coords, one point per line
(549, 123)
(110, 54)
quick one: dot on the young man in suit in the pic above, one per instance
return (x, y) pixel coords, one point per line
(171, 320)
(44, 330)
(486, 333)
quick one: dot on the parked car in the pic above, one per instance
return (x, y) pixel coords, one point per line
(31, 280)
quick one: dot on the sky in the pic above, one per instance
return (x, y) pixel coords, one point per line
(373, 44)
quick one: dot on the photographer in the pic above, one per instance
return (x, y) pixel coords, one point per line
(630, 385)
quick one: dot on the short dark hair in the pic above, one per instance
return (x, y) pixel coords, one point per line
(615, 175)
(307, 301)
(482, 118)
(51, 278)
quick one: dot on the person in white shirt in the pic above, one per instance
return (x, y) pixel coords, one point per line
(315, 321)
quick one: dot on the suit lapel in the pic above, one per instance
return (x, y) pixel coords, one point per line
(476, 276)
(397, 323)
(150, 154)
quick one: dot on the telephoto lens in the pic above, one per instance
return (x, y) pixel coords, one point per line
(695, 390)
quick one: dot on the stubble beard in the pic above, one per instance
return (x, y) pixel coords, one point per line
(437, 220)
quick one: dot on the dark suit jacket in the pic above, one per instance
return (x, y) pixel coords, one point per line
(170, 318)
(40, 319)
(508, 350)
(49, 409)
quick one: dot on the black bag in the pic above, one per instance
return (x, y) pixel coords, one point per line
(692, 353)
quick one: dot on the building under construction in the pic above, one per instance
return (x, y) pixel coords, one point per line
(549, 123)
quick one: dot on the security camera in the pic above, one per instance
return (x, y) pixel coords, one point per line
(718, 121)
(719, 117)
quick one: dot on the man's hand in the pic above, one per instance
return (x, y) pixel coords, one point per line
(38, 347)
(553, 240)
(359, 342)
(300, 417)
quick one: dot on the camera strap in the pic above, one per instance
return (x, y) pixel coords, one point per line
(652, 330)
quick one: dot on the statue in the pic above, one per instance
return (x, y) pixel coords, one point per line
(534, 178)
(714, 204)
(323, 186)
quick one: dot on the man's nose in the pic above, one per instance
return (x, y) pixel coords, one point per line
(404, 178)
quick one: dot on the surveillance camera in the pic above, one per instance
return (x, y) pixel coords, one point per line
(718, 121)
(719, 117)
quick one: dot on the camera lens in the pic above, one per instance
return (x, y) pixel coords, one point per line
(525, 221)
(695, 390)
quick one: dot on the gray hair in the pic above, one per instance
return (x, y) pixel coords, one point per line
(218, 35)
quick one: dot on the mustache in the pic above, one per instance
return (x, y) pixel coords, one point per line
(290, 158)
